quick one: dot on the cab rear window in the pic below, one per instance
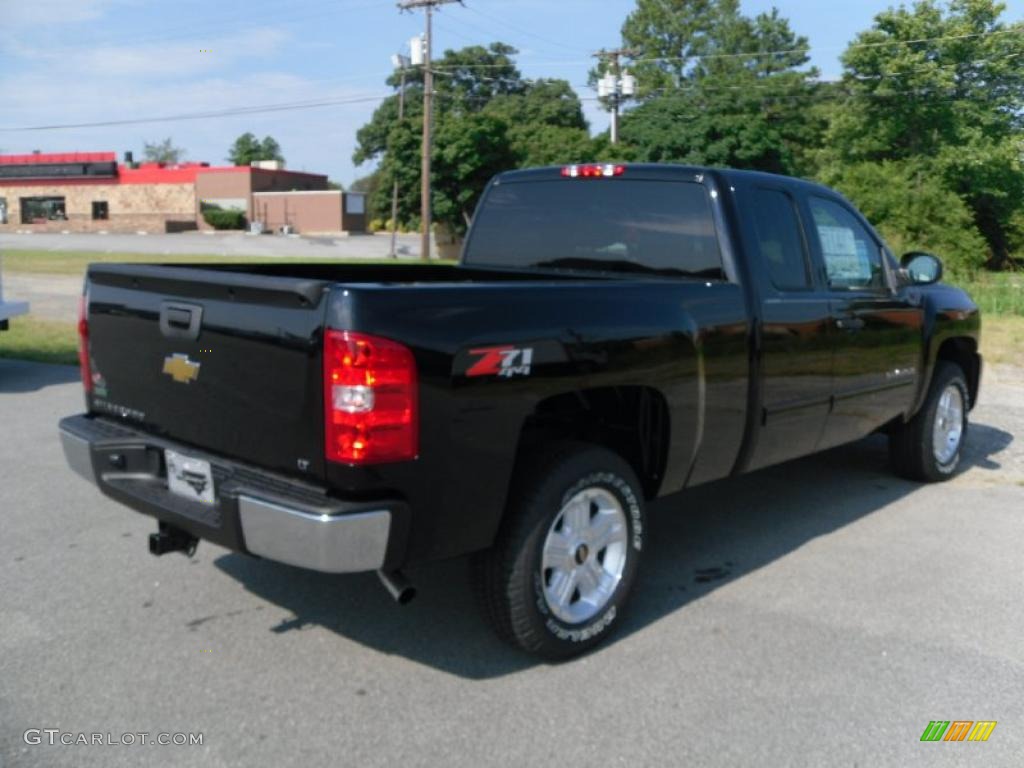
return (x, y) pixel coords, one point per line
(663, 227)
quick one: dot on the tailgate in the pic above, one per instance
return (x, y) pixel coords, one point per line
(226, 361)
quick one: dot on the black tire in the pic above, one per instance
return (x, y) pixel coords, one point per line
(509, 577)
(912, 445)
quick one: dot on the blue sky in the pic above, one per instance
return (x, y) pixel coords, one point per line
(82, 61)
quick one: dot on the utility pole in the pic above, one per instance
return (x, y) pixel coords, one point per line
(402, 64)
(616, 85)
(428, 104)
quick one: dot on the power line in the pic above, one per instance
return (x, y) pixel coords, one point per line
(476, 27)
(754, 54)
(808, 49)
(267, 108)
(283, 107)
(858, 77)
(438, 70)
(253, 110)
(498, 37)
(526, 32)
(461, 35)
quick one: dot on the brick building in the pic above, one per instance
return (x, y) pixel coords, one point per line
(92, 192)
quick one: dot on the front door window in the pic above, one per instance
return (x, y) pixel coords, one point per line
(853, 261)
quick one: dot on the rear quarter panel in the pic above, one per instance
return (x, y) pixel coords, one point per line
(687, 340)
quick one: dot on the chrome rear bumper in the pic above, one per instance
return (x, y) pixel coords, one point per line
(356, 541)
(258, 512)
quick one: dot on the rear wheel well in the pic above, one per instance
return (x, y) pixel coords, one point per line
(632, 421)
(963, 351)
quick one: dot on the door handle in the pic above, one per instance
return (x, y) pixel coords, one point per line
(849, 323)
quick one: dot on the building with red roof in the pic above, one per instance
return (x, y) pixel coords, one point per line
(92, 192)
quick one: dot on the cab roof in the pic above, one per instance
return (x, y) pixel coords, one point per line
(663, 172)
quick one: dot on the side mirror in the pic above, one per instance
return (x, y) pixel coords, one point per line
(921, 268)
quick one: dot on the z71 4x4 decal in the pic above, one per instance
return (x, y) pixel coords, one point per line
(510, 361)
(501, 361)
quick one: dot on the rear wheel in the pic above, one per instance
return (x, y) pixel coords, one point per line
(929, 446)
(557, 579)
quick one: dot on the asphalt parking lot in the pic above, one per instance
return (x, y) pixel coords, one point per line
(817, 613)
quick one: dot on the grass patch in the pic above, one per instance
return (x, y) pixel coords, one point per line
(1002, 339)
(74, 262)
(43, 341)
(997, 293)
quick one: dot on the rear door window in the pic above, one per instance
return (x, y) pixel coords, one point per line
(664, 227)
(779, 240)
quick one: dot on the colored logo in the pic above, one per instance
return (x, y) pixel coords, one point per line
(501, 361)
(958, 730)
(180, 368)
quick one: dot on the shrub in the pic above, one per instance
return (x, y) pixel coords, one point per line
(220, 218)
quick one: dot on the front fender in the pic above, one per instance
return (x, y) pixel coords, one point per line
(949, 315)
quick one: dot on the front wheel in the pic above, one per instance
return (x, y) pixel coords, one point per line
(929, 446)
(557, 579)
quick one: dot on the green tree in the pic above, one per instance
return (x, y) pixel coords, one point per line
(470, 150)
(244, 150)
(938, 90)
(466, 80)
(720, 88)
(487, 119)
(162, 152)
(270, 149)
(666, 36)
(915, 210)
(545, 123)
(247, 149)
(401, 162)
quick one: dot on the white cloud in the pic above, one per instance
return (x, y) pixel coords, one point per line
(154, 60)
(52, 82)
(319, 140)
(19, 13)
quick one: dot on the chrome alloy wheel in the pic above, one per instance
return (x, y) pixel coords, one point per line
(948, 428)
(584, 555)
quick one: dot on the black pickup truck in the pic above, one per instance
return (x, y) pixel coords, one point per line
(613, 334)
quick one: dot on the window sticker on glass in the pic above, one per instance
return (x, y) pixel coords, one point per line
(852, 260)
(837, 241)
(845, 261)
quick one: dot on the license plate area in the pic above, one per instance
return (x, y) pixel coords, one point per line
(189, 477)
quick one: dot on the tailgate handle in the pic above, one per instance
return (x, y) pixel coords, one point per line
(179, 318)
(180, 321)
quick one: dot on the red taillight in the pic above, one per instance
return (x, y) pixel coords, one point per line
(83, 343)
(370, 399)
(593, 171)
